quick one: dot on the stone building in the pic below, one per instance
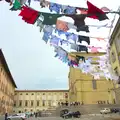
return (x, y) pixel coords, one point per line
(37, 100)
(7, 87)
(85, 89)
(115, 57)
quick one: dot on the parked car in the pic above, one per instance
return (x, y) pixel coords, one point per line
(77, 114)
(64, 111)
(115, 110)
(70, 114)
(20, 116)
(105, 111)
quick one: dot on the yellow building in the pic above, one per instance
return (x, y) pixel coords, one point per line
(84, 89)
(115, 56)
(115, 48)
(36, 100)
(7, 87)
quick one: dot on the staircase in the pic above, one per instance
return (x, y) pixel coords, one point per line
(85, 109)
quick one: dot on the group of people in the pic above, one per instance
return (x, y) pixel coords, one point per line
(70, 104)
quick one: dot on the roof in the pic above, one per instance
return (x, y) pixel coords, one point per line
(117, 26)
(2, 58)
(41, 90)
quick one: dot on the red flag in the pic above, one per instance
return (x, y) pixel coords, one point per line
(29, 15)
(95, 13)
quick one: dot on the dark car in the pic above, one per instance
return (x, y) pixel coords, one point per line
(77, 114)
(72, 114)
(62, 112)
(115, 110)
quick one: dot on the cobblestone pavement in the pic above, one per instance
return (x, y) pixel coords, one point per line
(83, 117)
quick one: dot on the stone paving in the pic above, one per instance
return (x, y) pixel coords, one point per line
(83, 117)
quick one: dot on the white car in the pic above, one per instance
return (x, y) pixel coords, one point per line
(105, 111)
(20, 116)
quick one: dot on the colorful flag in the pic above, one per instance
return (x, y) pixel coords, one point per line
(62, 25)
(29, 15)
(95, 13)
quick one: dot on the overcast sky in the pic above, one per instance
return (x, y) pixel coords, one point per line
(30, 60)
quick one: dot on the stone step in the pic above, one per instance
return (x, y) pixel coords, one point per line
(85, 109)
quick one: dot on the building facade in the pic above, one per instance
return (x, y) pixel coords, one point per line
(85, 89)
(37, 100)
(115, 48)
(7, 87)
(115, 56)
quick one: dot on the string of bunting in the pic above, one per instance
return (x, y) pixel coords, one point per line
(46, 21)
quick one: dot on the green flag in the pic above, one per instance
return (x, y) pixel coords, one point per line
(49, 19)
(16, 5)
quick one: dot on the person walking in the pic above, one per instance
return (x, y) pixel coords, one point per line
(6, 115)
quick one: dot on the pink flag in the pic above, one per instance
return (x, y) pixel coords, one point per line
(105, 9)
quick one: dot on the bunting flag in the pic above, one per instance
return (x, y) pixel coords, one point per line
(95, 13)
(28, 15)
(94, 49)
(61, 25)
(58, 8)
(16, 6)
(46, 21)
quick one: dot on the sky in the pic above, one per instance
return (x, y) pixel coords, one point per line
(30, 60)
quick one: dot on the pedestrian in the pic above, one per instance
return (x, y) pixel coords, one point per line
(6, 115)
(36, 114)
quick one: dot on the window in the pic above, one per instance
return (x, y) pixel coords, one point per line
(20, 93)
(49, 103)
(66, 95)
(15, 93)
(26, 103)
(113, 57)
(32, 94)
(26, 93)
(14, 103)
(20, 103)
(116, 71)
(37, 102)
(94, 85)
(43, 103)
(43, 93)
(43, 97)
(32, 102)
